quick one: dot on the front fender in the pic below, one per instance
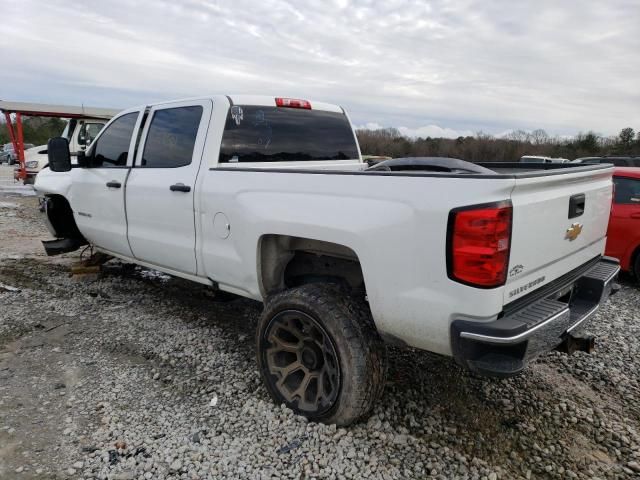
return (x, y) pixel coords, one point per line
(53, 183)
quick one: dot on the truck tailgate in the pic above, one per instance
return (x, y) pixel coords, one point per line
(546, 243)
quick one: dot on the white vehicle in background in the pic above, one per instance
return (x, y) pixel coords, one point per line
(269, 198)
(79, 131)
(542, 159)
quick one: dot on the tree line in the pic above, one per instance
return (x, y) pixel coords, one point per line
(508, 148)
(35, 130)
(390, 142)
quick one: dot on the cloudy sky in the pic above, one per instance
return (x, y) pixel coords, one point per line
(433, 68)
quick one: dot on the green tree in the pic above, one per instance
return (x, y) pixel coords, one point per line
(626, 136)
(624, 143)
(588, 143)
(35, 130)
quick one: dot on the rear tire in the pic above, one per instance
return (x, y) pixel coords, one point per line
(320, 354)
(636, 267)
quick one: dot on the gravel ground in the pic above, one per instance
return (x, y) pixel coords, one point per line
(137, 375)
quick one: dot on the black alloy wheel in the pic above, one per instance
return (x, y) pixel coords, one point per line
(302, 361)
(319, 353)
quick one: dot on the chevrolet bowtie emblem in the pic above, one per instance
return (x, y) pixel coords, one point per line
(573, 231)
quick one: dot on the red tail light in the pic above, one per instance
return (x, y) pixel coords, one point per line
(479, 240)
(293, 103)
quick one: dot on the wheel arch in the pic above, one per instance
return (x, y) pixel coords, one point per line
(60, 220)
(286, 261)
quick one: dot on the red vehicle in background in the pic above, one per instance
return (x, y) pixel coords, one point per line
(623, 236)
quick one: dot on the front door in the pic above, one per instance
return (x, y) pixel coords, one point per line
(97, 192)
(161, 186)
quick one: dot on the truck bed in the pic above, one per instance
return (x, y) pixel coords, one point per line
(525, 170)
(501, 170)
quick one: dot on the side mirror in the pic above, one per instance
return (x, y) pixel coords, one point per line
(58, 153)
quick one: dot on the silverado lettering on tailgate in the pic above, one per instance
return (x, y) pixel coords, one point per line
(526, 286)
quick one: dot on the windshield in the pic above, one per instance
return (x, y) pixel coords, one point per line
(276, 134)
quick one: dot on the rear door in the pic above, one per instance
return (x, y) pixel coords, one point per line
(161, 186)
(97, 192)
(559, 223)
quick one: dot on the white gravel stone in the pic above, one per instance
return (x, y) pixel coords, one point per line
(142, 355)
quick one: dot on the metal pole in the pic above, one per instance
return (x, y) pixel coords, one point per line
(22, 171)
(12, 134)
(7, 116)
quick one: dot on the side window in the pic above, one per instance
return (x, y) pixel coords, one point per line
(171, 137)
(627, 190)
(112, 148)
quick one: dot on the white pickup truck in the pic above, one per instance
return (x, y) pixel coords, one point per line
(269, 198)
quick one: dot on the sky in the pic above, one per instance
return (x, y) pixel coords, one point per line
(430, 68)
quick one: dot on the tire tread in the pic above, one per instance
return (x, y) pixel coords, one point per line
(356, 328)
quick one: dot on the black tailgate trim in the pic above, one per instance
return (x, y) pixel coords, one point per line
(549, 289)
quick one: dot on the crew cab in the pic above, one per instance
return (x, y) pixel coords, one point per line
(269, 198)
(623, 237)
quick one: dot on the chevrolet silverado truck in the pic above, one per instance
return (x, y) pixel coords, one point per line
(269, 198)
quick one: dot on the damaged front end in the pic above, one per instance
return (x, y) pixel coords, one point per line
(60, 222)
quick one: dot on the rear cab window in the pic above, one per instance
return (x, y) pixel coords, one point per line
(277, 134)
